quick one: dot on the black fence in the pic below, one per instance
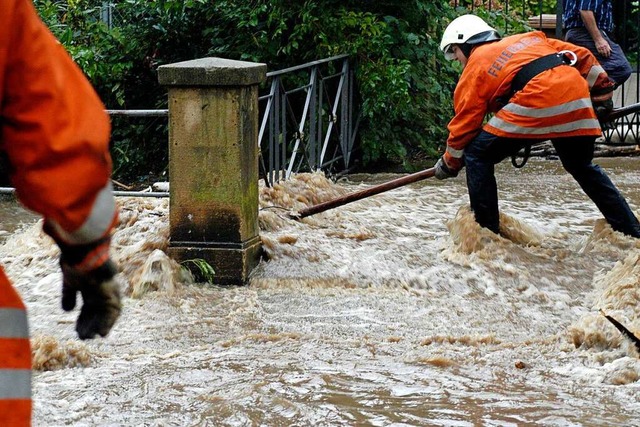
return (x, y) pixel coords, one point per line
(308, 119)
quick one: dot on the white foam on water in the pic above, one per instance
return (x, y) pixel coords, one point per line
(393, 310)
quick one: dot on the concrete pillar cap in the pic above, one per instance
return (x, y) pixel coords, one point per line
(212, 72)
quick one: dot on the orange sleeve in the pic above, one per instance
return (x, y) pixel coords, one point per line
(54, 127)
(471, 106)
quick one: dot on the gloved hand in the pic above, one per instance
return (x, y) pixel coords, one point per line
(602, 109)
(87, 269)
(443, 171)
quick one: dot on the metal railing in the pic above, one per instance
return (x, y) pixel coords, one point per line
(308, 127)
(320, 133)
(627, 129)
(138, 113)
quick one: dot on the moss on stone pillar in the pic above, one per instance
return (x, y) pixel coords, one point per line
(213, 163)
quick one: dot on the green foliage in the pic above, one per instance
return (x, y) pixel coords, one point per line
(397, 83)
(627, 30)
(102, 54)
(533, 7)
(201, 270)
(404, 83)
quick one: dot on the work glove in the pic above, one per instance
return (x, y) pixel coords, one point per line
(88, 270)
(442, 171)
(602, 109)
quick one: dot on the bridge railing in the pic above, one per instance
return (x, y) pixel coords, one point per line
(307, 119)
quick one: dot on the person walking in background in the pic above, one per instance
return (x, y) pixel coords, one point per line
(539, 89)
(54, 132)
(589, 23)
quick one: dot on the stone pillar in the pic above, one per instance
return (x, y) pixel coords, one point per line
(213, 164)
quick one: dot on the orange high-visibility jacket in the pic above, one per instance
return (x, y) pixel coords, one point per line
(53, 128)
(555, 103)
(15, 358)
(55, 134)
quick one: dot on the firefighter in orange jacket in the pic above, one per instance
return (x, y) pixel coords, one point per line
(55, 134)
(538, 89)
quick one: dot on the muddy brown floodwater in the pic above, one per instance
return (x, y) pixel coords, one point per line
(396, 310)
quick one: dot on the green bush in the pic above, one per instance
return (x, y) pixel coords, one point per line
(404, 84)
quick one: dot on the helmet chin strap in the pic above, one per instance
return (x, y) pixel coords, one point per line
(466, 49)
(477, 40)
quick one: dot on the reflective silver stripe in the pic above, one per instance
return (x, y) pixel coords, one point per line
(456, 154)
(13, 323)
(15, 384)
(550, 111)
(98, 222)
(565, 127)
(594, 72)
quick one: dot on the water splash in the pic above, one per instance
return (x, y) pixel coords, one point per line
(50, 354)
(396, 309)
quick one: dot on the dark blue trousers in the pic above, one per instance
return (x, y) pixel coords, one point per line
(576, 155)
(616, 65)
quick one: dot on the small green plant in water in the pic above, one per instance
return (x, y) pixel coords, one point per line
(201, 270)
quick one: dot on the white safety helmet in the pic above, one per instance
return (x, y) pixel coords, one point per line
(469, 29)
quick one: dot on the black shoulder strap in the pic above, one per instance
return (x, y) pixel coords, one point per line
(531, 70)
(534, 68)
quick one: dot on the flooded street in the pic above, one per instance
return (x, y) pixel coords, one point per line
(393, 310)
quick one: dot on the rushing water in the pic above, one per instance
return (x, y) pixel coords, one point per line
(394, 310)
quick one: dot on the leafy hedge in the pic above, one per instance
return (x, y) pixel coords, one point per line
(404, 83)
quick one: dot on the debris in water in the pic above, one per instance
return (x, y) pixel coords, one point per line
(437, 361)
(626, 332)
(49, 354)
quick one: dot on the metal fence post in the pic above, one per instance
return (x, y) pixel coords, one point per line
(213, 164)
(106, 14)
(559, 23)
